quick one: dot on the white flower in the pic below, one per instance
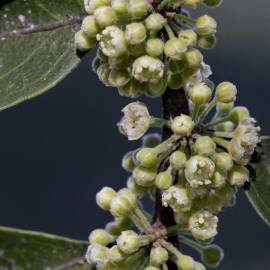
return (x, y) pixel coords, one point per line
(97, 254)
(203, 225)
(177, 198)
(199, 171)
(112, 41)
(246, 138)
(136, 120)
(148, 69)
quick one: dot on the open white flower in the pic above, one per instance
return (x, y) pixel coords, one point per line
(203, 225)
(136, 120)
(112, 41)
(177, 198)
(246, 138)
(148, 69)
(97, 254)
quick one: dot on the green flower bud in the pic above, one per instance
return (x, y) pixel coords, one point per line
(144, 176)
(189, 36)
(127, 162)
(103, 73)
(151, 268)
(199, 171)
(123, 222)
(129, 195)
(218, 180)
(98, 3)
(226, 92)
(223, 161)
(164, 180)
(137, 49)
(175, 48)
(151, 140)
(147, 157)
(101, 237)
(135, 33)
(238, 113)
(204, 145)
(104, 197)
(105, 16)
(185, 263)
(121, 206)
(135, 188)
(207, 43)
(120, 6)
(128, 242)
(200, 93)
(119, 62)
(224, 108)
(132, 89)
(158, 256)
(206, 26)
(178, 160)
(118, 77)
(213, 3)
(203, 225)
(194, 58)
(238, 175)
(116, 255)
(148, 69)
(90, 27)
(182, 125)
(138, 8)
(199, 266)
(154, 47)
(83, 42)
(212, 255)
(175, 81)
(113, 228)
(136, 120)
(97, 254)
(157, 89)
(155, 22)
(192, 3)
(112, 41)
(182, 218)
(227, 126)
(177, 66)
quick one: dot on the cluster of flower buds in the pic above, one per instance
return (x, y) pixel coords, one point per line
(144, 46)
(148, 47)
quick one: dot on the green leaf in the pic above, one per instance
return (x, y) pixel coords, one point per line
(259, 190)
(22, 250)
(36, 46)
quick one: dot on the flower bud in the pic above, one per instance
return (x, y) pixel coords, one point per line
(90, 27)
(238, 113)
(132, 89)
(182, 218)
(207, 43)
(135, 33)
(127, 162)
(212, 3)
(96, 63)
(218, 180)
(192, 3)
(115, 255)
(164, 180)
(155, 22)
(223, 161)
(185, 263)
(147, 157)
(177, 66)
(98, 3)
(105, 16)
(212, 255)
(178, 160)
(101, 237)
(199, 266)
(121, 206)
(136, 120)
(128, 242)
(137, 50)
(200, 93)
(227, 126)
(118, 77)
(206, 26)
(158, 256)
(129, 195)
(189, 36)
(119, 62)
(83, 42)
(154, 47)
(112, 41)
(157, 89)
(151, 268)
(224, 108)
(144, 176)
(113, 228)
(175, 48)
(203, 225)
(238, 175)
(148, 69)
(175, 81)
(204, 145)
(135, 188)
(194, 58)
(226, 92)
(182, 125)
(120, 6)
(104, 197)
(103, 73)
(151, 140)
(138, 8)
(97, 254)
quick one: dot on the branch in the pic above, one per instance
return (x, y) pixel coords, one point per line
(71, 264)
(41, 28)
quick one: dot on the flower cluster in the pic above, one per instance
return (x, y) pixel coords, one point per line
(148, 47)
(144, 46)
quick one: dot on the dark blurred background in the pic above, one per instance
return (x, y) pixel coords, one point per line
(59, 149)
